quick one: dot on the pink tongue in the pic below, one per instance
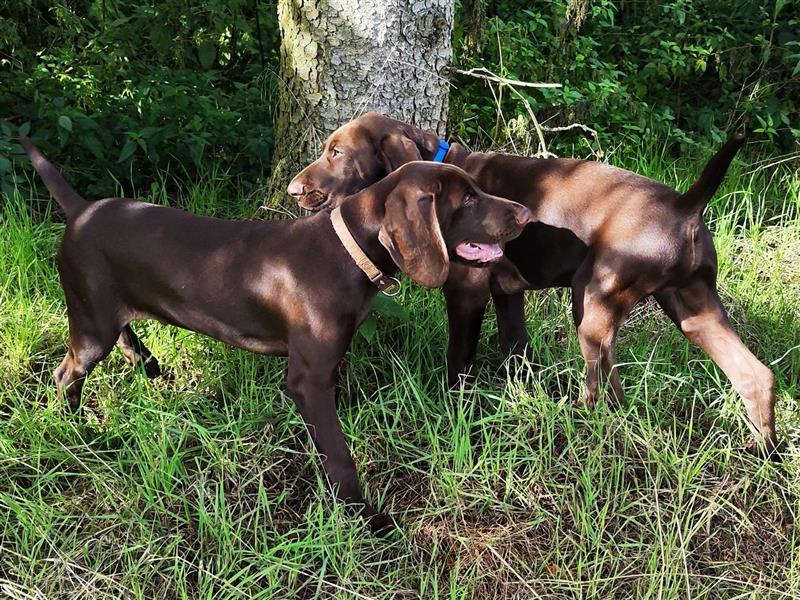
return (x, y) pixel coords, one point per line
(479, 252)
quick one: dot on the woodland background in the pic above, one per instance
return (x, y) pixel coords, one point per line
(204, 484)
(118, 91)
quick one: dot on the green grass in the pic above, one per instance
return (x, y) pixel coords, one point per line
(203, 484)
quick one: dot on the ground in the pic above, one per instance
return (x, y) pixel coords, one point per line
(203, 484)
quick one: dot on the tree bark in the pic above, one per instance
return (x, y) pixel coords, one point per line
(341, 58)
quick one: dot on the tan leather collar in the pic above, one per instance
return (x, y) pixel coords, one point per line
(383, 282)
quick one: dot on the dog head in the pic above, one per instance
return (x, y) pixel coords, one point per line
(435, 213)
(357, 155)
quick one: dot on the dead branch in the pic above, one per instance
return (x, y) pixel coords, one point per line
(482, 73)
(513, 84)
(599, 154)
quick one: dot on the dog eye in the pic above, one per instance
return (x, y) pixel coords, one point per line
(336, 152)
(469, 200)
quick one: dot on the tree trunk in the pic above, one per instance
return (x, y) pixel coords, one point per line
(341, 58)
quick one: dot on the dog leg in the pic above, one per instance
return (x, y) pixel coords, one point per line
(511, 326)
(466, 305)
(311, 382)
(135, 352)
(698, 312)
(599, 307)
(85, 351)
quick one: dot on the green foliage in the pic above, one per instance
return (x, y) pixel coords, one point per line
(118, 90)
(383, 306)
(693, 69)
(204, 484)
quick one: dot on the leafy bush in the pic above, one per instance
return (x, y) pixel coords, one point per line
(140, 87)
(693, 69)
(117, 91)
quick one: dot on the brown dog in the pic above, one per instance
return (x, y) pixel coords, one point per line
(281, 287)
(613, 236)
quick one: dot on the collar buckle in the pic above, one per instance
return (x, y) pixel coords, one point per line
(389, 286)
(441, 152)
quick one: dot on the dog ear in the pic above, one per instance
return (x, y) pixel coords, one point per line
(410, 232)
(397, 149)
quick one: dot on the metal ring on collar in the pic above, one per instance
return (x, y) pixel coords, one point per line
(394, 290)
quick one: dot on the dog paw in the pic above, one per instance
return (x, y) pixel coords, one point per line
(462, 380)
(75, 406)
(151, 368)
(380, 524)
(585, 400)
(766, 450)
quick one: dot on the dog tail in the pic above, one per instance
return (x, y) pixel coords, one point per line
(694, 200)
(67, 198)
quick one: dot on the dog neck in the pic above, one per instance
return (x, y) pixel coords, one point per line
(363, 214)
(379, 279)
(428, 145)
(456, 155)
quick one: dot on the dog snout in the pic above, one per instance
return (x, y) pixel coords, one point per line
(297, 188)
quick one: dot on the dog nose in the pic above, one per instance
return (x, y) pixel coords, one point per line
(523, 216)
(296, 188)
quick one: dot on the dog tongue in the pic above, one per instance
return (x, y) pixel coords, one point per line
(479, 252)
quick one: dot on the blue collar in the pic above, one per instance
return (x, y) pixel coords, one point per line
(442, 151)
